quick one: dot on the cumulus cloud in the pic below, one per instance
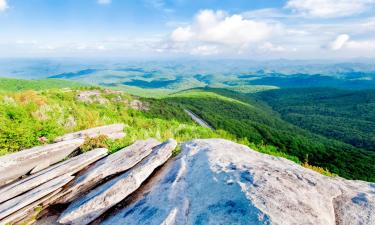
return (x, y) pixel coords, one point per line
(340, 41)
(104, 2)
(329, 8)
(344, 41)
(217, 27)
(3, 5)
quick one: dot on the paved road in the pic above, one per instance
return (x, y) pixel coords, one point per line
(197, 119)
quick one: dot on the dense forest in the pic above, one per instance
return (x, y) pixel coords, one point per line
(259, 124)
(348, 116)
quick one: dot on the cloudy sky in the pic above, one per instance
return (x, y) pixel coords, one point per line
(248, 29)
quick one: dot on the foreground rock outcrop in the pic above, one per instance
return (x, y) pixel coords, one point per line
(32, 160)
(96, 202)
(68, 167)
(212, 181)
(219, 182)
(109, 166)
(89, 183)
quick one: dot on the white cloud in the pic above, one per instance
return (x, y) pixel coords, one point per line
(329, 8)
(205, 50)
(217, 27)
(340, 41)
(357, 47)
(3, 5)
(269, 47)
(182, 34)
(104, 2)
(362, 46)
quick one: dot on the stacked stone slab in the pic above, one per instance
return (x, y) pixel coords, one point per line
(40, 177)
(32, 160)
(109, 166)
(114, 131)
(90, 206)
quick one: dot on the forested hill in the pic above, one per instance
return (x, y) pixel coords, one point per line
(245, 116)
(348, 116)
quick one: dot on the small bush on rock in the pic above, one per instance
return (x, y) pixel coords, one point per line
(94, 142)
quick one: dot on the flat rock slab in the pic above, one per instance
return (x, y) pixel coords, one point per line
(215, 181)
(67, 167)
(107, 130)
(9, 207)
(91, 206)
(32, 160)
(28, 211)
(116, 163)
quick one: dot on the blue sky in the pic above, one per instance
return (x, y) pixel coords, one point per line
(295, 29)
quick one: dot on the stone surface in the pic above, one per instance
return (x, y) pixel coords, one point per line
(90, 206)
(138, 105)
(67, 167)
(32, 160)
(107, 130)
(118, 162)
(92, 96)
(9, 207)
(20, 216)
(216, 181)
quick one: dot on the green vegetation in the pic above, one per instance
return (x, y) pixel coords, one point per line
(94, 142)
(29, 118)
(9, 84)
(142, 92)
(250, 119)
(348, 116)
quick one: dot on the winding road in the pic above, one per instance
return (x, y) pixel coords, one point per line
(197, 119)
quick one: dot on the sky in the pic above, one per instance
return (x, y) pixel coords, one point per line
(244, 29)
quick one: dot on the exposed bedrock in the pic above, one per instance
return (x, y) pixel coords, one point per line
(217, 181)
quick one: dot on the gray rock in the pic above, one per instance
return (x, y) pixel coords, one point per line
(28, 211)
(115, 136)
(138, 105)
(32, 160)
(9, 207)
(216, 181)
(92, 96)
(99, 200)
(67, 167)
(116, 163)
(107, 130)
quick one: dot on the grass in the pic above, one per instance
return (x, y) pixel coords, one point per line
(318, 169)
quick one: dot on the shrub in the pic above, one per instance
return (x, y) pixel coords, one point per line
(318, 169)
(94, 142)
